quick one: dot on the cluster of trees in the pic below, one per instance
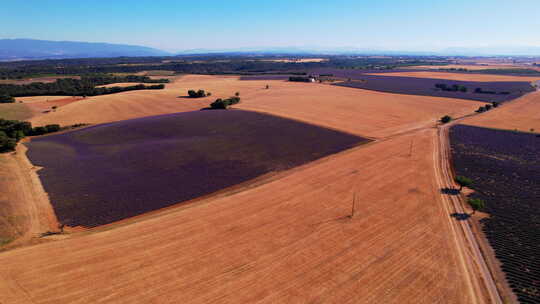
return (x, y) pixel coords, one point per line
(487, 107)
(198, 94)
(6, 99)
(301, 78)
(225, 103)
(12, 131)
(86, 86)
(452, 88)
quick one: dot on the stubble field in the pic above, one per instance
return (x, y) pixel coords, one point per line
(288, 240)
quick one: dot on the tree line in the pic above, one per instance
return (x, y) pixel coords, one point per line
(86, 86)
(12, 131)
(200, 64)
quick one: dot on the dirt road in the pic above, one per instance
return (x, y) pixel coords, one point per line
(473, 261)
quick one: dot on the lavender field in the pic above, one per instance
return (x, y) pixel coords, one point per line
(110, 172)
(505, 168)
(426, 86)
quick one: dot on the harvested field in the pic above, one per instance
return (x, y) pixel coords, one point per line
(36, 79)
(107, 173)
(522, 114)
(470, 67)
(120, 84)
(287, 240)
(133, 104)
(266, 77)
(426, 87)
(43, 104)
(25, 209)
(505, 168)
(16, 111)
(460, 76)
(362, 112)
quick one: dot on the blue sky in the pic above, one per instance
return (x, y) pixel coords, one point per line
(178, 25)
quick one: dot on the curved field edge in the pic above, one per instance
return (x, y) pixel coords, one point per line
(503, 165)
(26, 211)
(105, 173)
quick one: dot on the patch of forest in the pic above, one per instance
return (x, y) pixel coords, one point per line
(86, 86)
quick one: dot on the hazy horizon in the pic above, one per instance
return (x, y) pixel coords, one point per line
(416, 25)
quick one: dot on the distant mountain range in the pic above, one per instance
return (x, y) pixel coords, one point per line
(31, 49)
(24, 49)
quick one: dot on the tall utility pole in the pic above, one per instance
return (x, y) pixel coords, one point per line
(353, 205)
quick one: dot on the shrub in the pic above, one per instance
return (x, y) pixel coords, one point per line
(495, 104)
(476, 204)
(463, 181)
(446, 119)
(487, 107)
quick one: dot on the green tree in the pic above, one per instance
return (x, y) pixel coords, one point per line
(7, 143)
(446, 119)
(463, 181)
(476, 204)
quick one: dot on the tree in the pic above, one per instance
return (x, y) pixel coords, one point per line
(208, 94)
(224, 103)
(6, 99)
(218, 104)
(446, 119)
(196, 94)
(463, 181)
(495, 104)
(237, 94)
(477, 204)
(7, 143)
(267, 87)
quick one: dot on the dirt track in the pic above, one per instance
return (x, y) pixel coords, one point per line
(481, 279)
